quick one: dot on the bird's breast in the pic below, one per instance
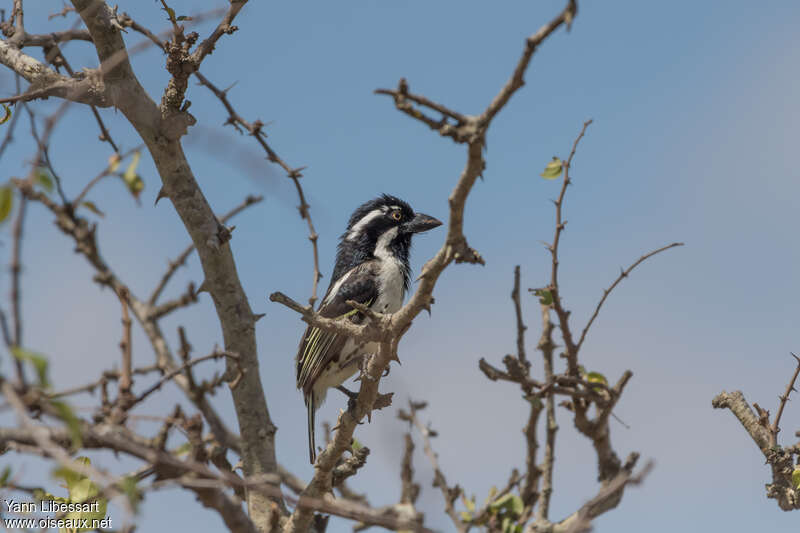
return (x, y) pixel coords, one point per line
(391, 280)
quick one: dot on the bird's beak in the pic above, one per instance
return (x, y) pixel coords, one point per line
(422, 222)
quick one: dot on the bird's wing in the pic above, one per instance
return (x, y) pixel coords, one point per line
(318, 347)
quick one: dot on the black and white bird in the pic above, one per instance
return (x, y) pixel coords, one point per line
(372, 268)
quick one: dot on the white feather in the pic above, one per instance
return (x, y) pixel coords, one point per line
(390, 275)
(355, 231)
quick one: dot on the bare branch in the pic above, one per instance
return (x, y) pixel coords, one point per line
(170, 375)
(775, 429)
(563, 315)
(224, 27)
(16, 269)
(521, 327)
(181, 259)
(622, 275)
(531, 44)
(126, 376)
(450, 494)
(255, 129)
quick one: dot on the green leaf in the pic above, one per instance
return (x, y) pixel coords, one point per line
(184, 17)
(73, 423)
(113, 162)
(596, 377)
(553, 169)
(131, 178)
(41, 494)
(356, 445)
(93, 208)
(38, 361)
(183, 449)
(44, 179)
(82, 489)
(128, 486)
(4, 477)
(170, 12)
(796, 478)
(545, 296)
(6, 201)
(508, 502)
(469, 503)
(6, 114)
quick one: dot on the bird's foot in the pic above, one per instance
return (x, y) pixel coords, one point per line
(351, 397)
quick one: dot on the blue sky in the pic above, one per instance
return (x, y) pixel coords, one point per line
(695, 114)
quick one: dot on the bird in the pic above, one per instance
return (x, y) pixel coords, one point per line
(372, 268)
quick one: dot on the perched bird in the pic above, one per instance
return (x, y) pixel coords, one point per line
(372, 268)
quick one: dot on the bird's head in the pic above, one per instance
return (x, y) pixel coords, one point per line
(380, 227)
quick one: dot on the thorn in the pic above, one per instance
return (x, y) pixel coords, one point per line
(258, 316)
(396, 358)
(202, 288)
(161, 194)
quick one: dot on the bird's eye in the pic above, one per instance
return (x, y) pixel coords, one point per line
(397, 215)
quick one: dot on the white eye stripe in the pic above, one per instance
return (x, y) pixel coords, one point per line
(355, 231)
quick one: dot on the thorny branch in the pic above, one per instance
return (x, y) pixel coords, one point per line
(449, 493)
(256, 130)
(783, 460)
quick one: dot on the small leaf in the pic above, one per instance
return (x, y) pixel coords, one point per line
(796, 478)
(6, 114)
(465, 516)
(6, 201)
(38, 361)
(131, 178)
(4, 477)
(113, 162)
(128, 486)
(170, 12)
(44, 179)
(545, 296)
(596, 377)
(184, 17)
(183, 449)
(73, 423)
(356, 445)
(93, 208)
(41, 495)
(469, 503)
(553, 169)
(130, 172)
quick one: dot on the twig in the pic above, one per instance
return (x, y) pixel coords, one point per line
(126, 379)
(108, 375)
(563, 316)
(521, 327)
(225, 26)
(16, 269)
(531, 44)
(552, 427)
(623, 274)
(9, 136)
(255, 129)
(439, 480)
(181, 259)
(103, 173)
(40, 437)
(775, 429)
(169, 375)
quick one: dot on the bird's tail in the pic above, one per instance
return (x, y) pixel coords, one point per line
(312, 449)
